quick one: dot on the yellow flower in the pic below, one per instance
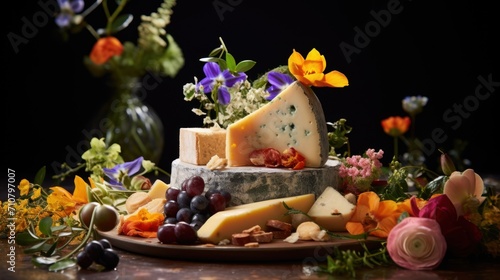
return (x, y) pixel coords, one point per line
(309, 71)
(60, 201)
(36, 194)
(24, 187)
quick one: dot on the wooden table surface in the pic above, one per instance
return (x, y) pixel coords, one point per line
(136, 266)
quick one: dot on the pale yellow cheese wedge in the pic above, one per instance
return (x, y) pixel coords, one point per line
(158, 189)
(294, 118)
(235, 219)
(332, 210)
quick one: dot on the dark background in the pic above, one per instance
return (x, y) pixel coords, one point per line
(433, 48)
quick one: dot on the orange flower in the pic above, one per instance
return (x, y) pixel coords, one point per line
(104, 49)
(309, 71)
(396, 126)
(374, 216)
(63, 203)
(144, 224)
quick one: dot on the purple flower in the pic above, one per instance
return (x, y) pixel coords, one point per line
(121, 173)
(278, 83)
(220, 81)
(68, 9)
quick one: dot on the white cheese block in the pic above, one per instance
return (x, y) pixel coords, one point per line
(235, 219)
(331, 210)
(197, 145)
(249, 184)
(294, 118)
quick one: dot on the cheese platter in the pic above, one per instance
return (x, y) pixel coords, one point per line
(276, 251)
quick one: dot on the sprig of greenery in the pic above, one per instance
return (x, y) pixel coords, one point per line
(338, 137)
(100, 156)
(46, 249)
(347, 261)
(228, 62)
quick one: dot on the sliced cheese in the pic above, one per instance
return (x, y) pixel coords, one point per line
(332, 210)
(294, 118)
(235, 219)
(158, 189)
(197, 145)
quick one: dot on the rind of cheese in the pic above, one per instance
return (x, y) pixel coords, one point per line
(158, 189)
(294, 118)
(235, 219)
(197, 145)
(331, 210)
(248, 184)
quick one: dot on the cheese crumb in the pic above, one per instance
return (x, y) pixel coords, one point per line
(216, 162)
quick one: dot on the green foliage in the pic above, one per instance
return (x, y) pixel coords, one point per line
(338, 137)
(343, 262)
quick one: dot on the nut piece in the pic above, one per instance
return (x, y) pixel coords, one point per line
(240, 239)
(311, 231)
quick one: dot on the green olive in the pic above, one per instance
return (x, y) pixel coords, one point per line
(106, 217)
(85, 213)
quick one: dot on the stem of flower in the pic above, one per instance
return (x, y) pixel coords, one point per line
(84, 241)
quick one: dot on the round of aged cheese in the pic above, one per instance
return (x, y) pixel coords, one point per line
(249, 184)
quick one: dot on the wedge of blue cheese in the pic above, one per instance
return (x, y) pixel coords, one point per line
(294, 118)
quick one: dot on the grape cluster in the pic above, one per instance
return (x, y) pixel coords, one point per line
(100, 252)
(187, 209)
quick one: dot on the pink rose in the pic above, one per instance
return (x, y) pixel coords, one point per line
(462, 237)
(416, 244)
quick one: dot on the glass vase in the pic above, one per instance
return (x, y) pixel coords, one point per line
(133, 124)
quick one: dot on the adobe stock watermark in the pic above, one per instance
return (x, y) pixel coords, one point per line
(11, 220)
(223, 6)
(362, 37)
(73, 156)
(31, 26)
(455, 115)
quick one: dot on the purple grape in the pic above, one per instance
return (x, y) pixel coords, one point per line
(109, 259)
(199, 204)
(185, 233)
(94, 250)
(184, 199)
(184, 215)
(227, 196)
(83, 260)
(211, 191)
(195, 186)
(217, 203)
(172, 193)
(170, 209)
(166, 234)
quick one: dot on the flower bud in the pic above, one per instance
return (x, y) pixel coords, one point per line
(140, 183)
(447, 164)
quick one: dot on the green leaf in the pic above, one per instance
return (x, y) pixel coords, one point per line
(25, 238)
(45, 226)
(40, 176)
(58, 228)
(40, 247)
(245, 65)
(44, 261)
(63, 264)
(231, 62)
(51, 250)
(434, 186)
(216, 51)
(121, 22)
